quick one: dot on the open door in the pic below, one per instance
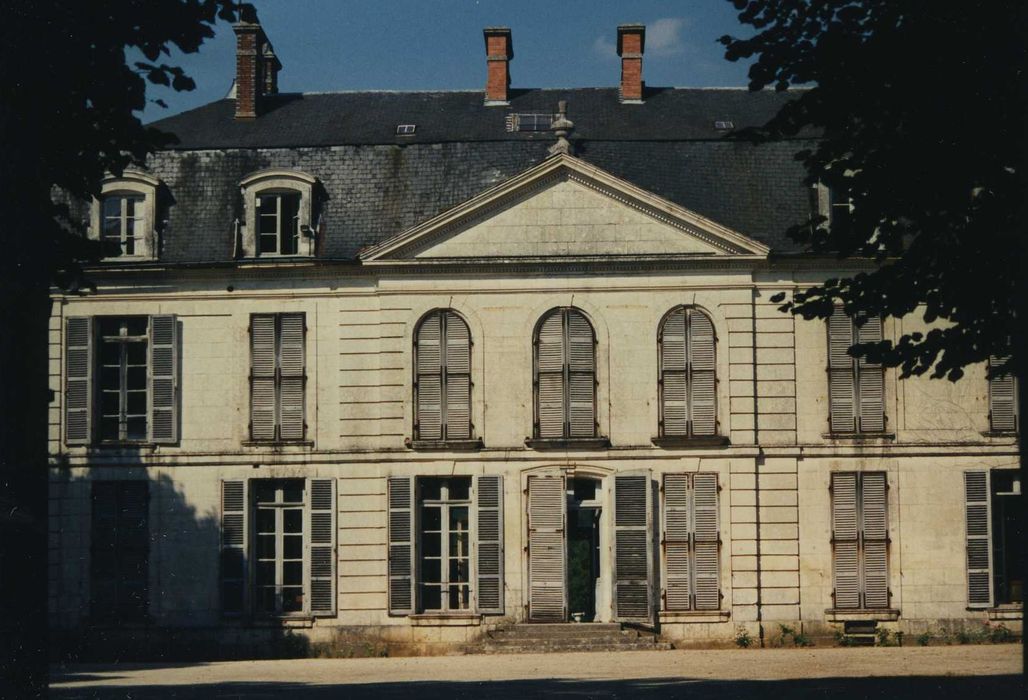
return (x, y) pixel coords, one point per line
(633, 547)
(547, 583)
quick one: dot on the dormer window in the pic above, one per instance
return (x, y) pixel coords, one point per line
(124, 216)
(279, 214)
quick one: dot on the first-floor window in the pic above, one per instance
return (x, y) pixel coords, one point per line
(444, 536)
(860, 540)
(995, 525)
(123, 378)
(119, 552)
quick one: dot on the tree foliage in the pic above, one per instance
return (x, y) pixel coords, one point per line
(919, 110)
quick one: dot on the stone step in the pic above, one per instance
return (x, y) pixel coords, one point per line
(618, 640)
(548, 648)
(561, 629)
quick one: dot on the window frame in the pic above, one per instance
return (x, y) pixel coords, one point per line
(123, 341)
(690, 436)
(860, 540)
(279, 506)
(444, 373)
(271, 182)
(277, 438)
(856, 369)
(445, 504)
(566, 436)
(130, 183)
(1015, 390)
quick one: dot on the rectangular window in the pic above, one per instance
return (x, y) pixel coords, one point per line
(856, 387)
(121, 379)
(995, 527)
(122, 221)
(444, 539)
(1003, 402)
(119, 551)
(278, 547)
(277, 377)
(691, 542)
(278, 223)
(860, 540)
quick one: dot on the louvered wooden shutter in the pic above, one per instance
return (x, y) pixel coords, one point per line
(322, 528)
(871, 381)
(633, 566)
(677, 571)
(550, 376)
(706, 542)
(233, 547)
(581, 360)
(978, 518)
(874, 539)
(845, 540)
(1002, 401)
(401, 545)
(78, 381)
(673, 368)
(262, 377)
(458, 378)
(489, 491)
(163, 368)
(702, 381)
(841, 377)
(429, 380)
(546, 556)
(292, 376)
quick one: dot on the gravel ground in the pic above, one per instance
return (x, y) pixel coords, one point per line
(937, 672)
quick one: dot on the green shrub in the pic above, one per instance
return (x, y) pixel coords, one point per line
(884, 637)
(923, 639)
(1000, 634)
(743, 640)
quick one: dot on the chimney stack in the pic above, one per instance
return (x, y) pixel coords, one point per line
(499, 50)
(631, 42)
(257, 66)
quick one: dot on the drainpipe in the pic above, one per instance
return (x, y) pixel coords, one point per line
(756, 464)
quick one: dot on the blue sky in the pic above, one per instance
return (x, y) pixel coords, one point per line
(331, 45)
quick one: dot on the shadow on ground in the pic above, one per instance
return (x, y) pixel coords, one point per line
(935, 687)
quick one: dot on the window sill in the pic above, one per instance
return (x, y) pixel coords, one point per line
(855, 615)
(597, 443)
(682, 441)
(670, 617)
(444, 445)
(859, 437)
(278, 443)
(1011, 434)
(1011, 612)
(114, 446)
(446, 619)
(289, 621)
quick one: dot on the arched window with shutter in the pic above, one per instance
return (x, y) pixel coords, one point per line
(442, 378)
(687, 383)
(565, 376)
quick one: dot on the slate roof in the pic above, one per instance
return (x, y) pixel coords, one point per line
(376, 184)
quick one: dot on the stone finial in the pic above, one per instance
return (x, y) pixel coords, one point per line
(561, 126)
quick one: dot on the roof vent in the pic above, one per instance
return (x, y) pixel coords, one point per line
(533, 121)
(405, 129)
(726, 125)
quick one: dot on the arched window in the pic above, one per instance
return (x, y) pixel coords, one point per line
(688, 381)
(442, 377)
(124, 216)
(565, 375)
(279, 214)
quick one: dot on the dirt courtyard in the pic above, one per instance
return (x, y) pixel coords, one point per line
(988, 671)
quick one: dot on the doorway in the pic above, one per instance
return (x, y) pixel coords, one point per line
(583, 548)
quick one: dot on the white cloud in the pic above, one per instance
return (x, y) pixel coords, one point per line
(663, 38)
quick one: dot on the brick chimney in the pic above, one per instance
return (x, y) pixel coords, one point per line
(499, 50)
(257, 66)
(631, 42)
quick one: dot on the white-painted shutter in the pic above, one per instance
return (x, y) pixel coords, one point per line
(489, 491)
(78, 381)
(550, 415)
(706, 541)
(547, 508)
(677, 571)
(233, 546)
(1002, 399)
(401, 545)
(673, 368)
(702, 380)
(978, 519)
(871, 381)
(845, 540)
(841, 377)
(633, 560)
(458, 378)
(322, 528)
(262, 377)
(292, 376)
(581, 359)
(875, 539)
(163, 371)
(429, 387)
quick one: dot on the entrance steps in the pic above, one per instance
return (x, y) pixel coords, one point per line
(527, 638)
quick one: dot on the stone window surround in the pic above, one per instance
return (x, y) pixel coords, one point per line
(130, 182)
(277, 180)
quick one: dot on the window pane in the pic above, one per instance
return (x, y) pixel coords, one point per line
(459, 518)
(110, 355)
(431, 598)
(110, 403)
(137, 326)
(293, 520)
(265, 573)
(431, 519)
(459, 570)
(136, 403)
(460, 598)
(431, 489)
(136, 354)
(266, 600)
(292, 599)
(136, 428)
(293, 546)
(293, 491)
(292, 573)
(459, 545)
(460, 489)
(268, 244)
(266, 546)
(109, 428)
(265, 492)
(136, 378)
(431, 570)
(430, 545)
(265, 520)
(112, 206)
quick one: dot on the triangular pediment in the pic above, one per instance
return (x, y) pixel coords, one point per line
(563, 209)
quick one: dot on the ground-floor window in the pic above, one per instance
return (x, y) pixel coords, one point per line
(995, 528)
(279, 506)
(119, 552)
(444, 539)
(860, 540)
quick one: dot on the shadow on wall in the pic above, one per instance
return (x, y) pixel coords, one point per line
(181, 620)
(937, 687)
